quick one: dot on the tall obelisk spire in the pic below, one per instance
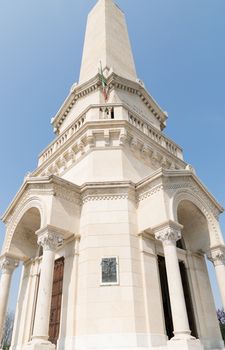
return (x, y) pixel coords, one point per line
(107, 40)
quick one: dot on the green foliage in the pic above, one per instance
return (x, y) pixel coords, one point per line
(221, 318)
(7, 332)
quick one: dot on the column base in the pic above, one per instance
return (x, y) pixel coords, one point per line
(184, 344)
(39, 344)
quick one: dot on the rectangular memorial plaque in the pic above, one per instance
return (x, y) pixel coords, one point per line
(109, 270)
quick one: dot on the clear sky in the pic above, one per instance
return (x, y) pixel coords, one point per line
(179, 49)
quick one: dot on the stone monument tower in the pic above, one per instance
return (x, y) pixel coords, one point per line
(113, 226)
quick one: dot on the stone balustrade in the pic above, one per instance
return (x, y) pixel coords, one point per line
(155, 135)
(132, 118)
(62, 139)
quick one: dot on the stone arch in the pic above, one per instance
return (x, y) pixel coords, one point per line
(25, 221)
(186, 205)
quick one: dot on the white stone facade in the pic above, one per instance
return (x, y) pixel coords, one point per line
(113, 196)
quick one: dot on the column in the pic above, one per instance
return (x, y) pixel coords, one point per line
(217, 256)
(168, 235)
(7, 266)
(50, 241)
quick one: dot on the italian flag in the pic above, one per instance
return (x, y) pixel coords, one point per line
(104, 83)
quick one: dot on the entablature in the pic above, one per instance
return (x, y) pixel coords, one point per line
(144, 141)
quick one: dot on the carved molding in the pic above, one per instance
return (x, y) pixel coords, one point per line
(168, 233)
(102, 194)
(49, 240)
(8, 264)
(217, 255)
(183, 183)
(165, 155)
(150, 192)
(67, 194)
(197, 197)
(27, 201)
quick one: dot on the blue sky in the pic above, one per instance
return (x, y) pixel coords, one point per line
(179, 49)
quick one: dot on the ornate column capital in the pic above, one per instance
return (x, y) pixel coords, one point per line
(217, 255)
(168, 232)
(8, 264)
(49, 238)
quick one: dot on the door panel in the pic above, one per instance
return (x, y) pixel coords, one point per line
(55, 313)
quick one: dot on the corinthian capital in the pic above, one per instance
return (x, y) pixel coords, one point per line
(8, 264)
(168, 233)
(49, 239)
(217, 255)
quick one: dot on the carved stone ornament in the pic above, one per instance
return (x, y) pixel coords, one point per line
(217, 256)
(7, 264)
(50, 241)
(168, 235)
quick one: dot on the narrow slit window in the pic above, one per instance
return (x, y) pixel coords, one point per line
(112, 113)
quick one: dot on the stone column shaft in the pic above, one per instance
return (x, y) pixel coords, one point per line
(49, 242)
(7, 266)
(169, 236)
(178, 306)
(220, 275)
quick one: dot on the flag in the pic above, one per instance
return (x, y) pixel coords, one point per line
(104, 83)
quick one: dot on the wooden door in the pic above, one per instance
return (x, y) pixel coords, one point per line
(55, 313)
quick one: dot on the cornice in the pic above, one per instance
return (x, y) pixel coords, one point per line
(139, 89)
(76, 92)
(162, 180)
(66, 190)
(114, 81)
(118, 190)
(45, 185)
(196, 185)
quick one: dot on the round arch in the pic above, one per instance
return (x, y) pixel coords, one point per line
(21, 237)
(200, 227)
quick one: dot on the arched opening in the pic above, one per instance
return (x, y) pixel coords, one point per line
(196, 238)
(195, 231)
(24, 241)
(24, 246)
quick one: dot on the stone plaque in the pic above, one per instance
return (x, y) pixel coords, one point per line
(109, 270)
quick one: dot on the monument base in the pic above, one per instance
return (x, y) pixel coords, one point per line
(184, 344)
(39, 344)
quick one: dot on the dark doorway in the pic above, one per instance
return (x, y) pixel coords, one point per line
(166, 298)
(188, 300)
(55, 313)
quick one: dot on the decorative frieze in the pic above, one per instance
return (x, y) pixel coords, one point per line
(150, 192)
(99, 193)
